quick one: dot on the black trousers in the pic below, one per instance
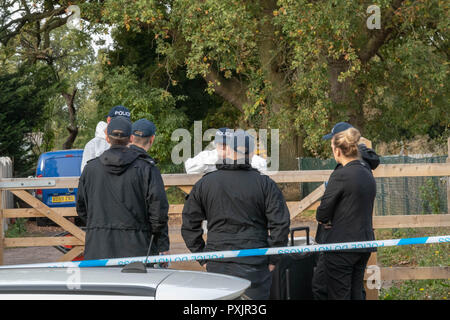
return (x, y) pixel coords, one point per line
(340, 276)
(258, 275)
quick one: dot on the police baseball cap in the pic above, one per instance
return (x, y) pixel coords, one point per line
(119, 111)
(143, 128)
(223, 135)
(119, 127)
(243, 142)
(339, 127)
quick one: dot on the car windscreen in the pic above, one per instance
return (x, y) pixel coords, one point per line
(62, 167)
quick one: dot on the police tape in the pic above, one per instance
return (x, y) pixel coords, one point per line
(186, 257)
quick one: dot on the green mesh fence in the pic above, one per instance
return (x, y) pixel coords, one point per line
(395, 196)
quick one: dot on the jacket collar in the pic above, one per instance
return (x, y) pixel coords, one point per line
(357, 162)
(233, 166)
(136, 148)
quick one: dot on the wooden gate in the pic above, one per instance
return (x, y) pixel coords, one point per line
(38, 209)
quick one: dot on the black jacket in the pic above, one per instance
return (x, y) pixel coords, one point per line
(162, 241)
(348, 205)
(121, 198)
(241, 206)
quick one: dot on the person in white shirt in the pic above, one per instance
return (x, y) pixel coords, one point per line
(206, 160)
(96, 146)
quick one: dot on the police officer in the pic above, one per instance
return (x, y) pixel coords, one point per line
(97, 145)
(143, 134)
(244, 209)
(345, 215)
(206, 160)
(121, 198)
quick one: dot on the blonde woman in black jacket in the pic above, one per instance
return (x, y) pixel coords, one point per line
(345, 215)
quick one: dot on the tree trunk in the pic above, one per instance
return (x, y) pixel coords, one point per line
(291, 148)
(345, 95)
(72, 128)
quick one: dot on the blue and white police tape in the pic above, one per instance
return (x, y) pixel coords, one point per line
(238, 253)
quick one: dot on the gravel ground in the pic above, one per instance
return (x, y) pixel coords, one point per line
(33, 254)
(30, 255)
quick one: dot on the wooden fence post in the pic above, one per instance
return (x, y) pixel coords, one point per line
(371, 294)
(5, 172)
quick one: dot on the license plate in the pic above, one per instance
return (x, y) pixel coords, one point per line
(60, 199)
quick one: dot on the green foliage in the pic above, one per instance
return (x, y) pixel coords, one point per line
(120, 86)
(429, 194)
(23, 92)
(17, 229)
(74, 67)
(175, 195)
(297, 65)
(138, 48)
(305, 65)
(225, 116)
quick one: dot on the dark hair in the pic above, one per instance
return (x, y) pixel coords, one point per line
(118, 141)
(142, 140)
(347, 141)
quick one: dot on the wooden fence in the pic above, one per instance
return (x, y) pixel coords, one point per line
(185, 182)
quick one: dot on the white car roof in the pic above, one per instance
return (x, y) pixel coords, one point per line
(168, 284)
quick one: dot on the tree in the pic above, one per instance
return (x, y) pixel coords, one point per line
(23, 92)
(138, 51)
(36, 31)
(299, 65)
(120, 86)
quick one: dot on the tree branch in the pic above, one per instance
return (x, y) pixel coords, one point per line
(231, 90)
(379, 37)
(5, 36)
(72, 128)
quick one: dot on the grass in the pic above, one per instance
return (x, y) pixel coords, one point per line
(427, 255)
(17, 229)
(175, 195)
(417, 290)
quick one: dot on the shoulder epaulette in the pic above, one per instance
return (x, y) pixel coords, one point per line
(147, 159)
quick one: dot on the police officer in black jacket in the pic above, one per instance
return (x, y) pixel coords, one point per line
(345, 215)
(244, 209)
(121, 198)
(143, 134)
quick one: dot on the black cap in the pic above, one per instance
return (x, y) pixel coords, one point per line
(119, 127)
(223, 135)
(339, 127)
(119, 111)
(243, 142)
(143, 128)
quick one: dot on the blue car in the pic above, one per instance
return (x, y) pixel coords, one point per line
(64, 163)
